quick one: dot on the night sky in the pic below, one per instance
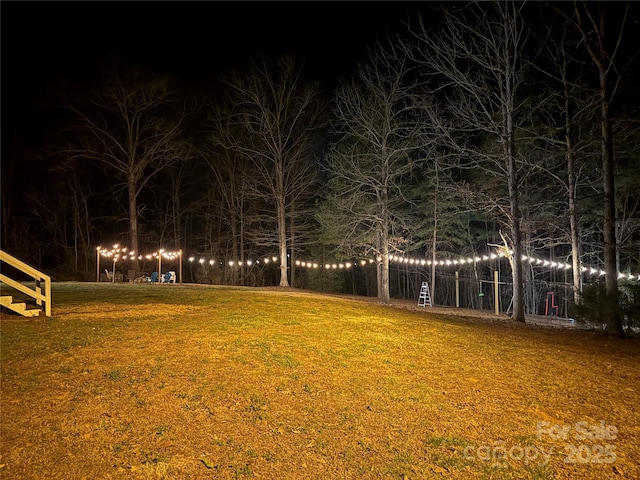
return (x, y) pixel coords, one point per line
(45, 42)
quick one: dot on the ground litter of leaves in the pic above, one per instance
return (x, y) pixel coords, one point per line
(184, 381)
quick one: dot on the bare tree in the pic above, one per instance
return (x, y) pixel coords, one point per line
(280, 113)
(135, 129)
(572, 112)
(62, 205)
(603, 37)
(377, 140)
(440, 210)
(167, 205)
(232, 177)
(78, 193)
(474, 64)
(627, 191)
(568, 113)
(7, 182)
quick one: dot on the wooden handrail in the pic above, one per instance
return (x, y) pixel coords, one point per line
(36, 293)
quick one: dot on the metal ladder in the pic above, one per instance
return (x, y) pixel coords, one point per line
(425, 296)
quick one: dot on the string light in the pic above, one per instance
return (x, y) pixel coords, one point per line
(472, 260)
(120, 253)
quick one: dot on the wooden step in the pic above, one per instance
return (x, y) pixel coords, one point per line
(18, 307)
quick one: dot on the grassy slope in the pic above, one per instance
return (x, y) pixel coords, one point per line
(171, 381)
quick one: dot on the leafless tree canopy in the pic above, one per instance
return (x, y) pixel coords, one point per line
(377, 137)
(280, 115)
(133, 127)
(475, 64)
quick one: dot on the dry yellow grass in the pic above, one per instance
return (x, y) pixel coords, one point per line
(171, 381)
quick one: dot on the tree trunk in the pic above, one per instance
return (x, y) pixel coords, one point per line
(433, 266)
(379, 275)
(385, 296)
(241, 226)
(282, 242)
(384, 274)
(292, 248)
(516, 237)
(233, 225)
(435, 237)
(176, 211)
(611, 317)
(76, 234)
(573, 221)
(602, 52)
(571, 179)
(133, 223)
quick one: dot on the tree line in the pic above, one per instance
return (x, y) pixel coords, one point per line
(506, 125)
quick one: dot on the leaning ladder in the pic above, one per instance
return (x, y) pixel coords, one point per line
(425, 296)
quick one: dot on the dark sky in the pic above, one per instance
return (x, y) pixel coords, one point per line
(42, 42)
(46, 41)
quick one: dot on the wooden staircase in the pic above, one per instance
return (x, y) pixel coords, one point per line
(19, 307)
(41, 293)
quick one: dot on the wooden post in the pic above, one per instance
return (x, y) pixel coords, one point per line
(38, 290)
(496, 292)
(97, 264)
(47, 294)
(457, 291)
(180, 270)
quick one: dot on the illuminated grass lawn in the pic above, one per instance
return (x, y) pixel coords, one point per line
(172, 381)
